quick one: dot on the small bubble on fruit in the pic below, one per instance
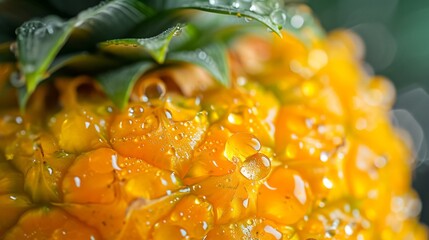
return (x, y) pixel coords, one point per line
(171, 151)
(324, 156)
(273, 232)
(327, 183)
(241, 146)
(136, 111)
(115, 162)
(153, 89)
(348, 229)
(246, 203)
(256, 167)
(76, 181)
(168, 114)
(235, 119)
(178, 137)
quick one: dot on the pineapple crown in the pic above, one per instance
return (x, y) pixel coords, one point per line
(119, 40)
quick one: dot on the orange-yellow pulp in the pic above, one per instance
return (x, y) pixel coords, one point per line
(299, 147)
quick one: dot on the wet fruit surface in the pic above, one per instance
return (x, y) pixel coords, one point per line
(299, 147)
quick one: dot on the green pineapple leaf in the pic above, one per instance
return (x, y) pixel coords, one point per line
(39, 41)
(135, 48)
(212, 58)
(118, 83)
(83, 62)
(275, 14)
(38, 44)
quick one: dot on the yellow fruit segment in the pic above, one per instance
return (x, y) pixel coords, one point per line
(45, 223)
(300, 146)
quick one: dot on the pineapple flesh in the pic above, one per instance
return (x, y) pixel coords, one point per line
(299, 146)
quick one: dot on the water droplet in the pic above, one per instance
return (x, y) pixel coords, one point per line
(297, 21)
(77, 181)
(246, 203)
(115, 162)
(327, 183)
(236, 4)
(380, 162)
(260, 7)
(330, 233)
(235, 119)
(202, 55)
(150, 122)
(256, 167)
(324, 156)
(273, 232)
(237, 114)
(135, 111)
(278, 17)
(168, 114)
(179, 136)
(171, 151)
(178, 30)
(153, 89)
(248, 19)
(348, 229)
(18, 120)
(241, 146)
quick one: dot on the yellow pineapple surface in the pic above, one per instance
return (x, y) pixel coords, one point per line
(300, 146)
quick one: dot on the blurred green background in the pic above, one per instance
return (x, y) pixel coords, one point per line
(395, 32)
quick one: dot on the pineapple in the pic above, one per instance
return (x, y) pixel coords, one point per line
(171, 119)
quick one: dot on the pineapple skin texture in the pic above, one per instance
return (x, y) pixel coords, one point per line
(299, 147)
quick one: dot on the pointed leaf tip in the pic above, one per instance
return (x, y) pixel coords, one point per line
(139, 48)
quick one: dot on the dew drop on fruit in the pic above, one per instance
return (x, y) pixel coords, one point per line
(168, 114)
(77, 181)
(135, 111)
(273, 232)
(150, 122)
(153, 89)
(256, 167)
(327, 183)
(241, 146)
(324, 156)
(235, 119)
